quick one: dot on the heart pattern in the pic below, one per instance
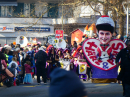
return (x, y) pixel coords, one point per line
(90, 51)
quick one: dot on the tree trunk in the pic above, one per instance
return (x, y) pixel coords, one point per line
(121, 22)
(114, 13)
(105, 11)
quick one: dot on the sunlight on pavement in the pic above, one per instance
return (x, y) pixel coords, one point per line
(28, 86)
(101, 84)
(37, 85)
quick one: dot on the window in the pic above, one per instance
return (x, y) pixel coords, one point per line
(27, 10)
(6, 11)
(53, 10)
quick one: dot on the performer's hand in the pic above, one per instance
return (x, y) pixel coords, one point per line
(117, 64)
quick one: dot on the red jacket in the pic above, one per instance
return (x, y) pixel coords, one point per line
(27, 68)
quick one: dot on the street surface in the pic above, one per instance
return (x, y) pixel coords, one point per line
(34, 90)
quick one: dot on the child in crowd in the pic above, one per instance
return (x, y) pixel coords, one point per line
(13, 65)
(28, 77)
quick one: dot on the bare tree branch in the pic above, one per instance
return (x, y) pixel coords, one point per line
(93, 8)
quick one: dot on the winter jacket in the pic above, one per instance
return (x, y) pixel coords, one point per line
(124, 74)
(123, 56)
(44, 57)
(10, 58)
(27, 68)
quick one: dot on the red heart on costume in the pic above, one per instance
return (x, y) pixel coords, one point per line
(105, 63)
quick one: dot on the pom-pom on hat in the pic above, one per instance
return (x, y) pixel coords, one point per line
(105, 23)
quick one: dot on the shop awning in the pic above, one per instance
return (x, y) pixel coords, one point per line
(8, 4)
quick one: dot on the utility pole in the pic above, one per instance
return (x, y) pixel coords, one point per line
(127, 31)
(62, 19)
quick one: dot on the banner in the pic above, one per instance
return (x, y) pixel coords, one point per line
(6, 29)
(82, 67)
(102, 62)
(90, 50)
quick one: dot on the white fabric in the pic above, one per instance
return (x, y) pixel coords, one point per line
(17, 49)
(103, 20)
(41, 48)
(11, 63)
(66, 64)
(9, 66)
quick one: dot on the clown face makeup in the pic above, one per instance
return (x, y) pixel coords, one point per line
(104, 36)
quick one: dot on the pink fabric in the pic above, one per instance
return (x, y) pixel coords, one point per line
(18, 62)
(82, 62)
(37, 51)
(4, 63)
(46, 64)
(27, 68)
(72, 60)
(1, 48)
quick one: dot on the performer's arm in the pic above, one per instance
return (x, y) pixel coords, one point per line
(56, 58)
(118, 57)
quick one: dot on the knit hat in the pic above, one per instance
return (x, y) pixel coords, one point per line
(105, 23)
(66, 84)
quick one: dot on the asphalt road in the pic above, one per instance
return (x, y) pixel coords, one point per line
(34, 90)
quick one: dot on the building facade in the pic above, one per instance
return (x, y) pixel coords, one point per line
(40, 19)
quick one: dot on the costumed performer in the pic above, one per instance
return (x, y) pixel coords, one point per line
(101, 53)
(82, 64)
(66, 53)
(53, 60)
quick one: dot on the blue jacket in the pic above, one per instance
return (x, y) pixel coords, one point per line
(10, 58)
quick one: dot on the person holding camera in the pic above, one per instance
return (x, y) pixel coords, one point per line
(124, 74)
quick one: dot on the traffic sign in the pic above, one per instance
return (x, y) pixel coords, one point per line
(59, 34)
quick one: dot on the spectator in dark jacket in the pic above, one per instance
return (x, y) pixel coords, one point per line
(124, 74)
(114, 35)
(41, 58)
(3, 53)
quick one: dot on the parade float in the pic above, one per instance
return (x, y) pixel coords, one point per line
(101, 53)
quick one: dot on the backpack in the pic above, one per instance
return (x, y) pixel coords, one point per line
(40, 57)
(13, 65)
